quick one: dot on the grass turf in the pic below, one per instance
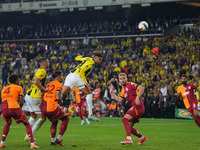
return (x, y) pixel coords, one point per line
(162, 134)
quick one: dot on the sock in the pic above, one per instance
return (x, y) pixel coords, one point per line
(59, 137)
(53, 140)
(3, 142)
(53, 129)
(142, 137)
(31, 121)
(63, 126)
(37, 125)
(89, 102)
(80, 114)
(6, 129)
(129, 137)
(127, 126)
(136, 133)
(29, 132)
(82, 121)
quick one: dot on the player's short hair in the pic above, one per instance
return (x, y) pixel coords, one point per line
(56, 74)
(122, 74)
(42, 60)
(13, 78)
(184, 75)
(97, 55)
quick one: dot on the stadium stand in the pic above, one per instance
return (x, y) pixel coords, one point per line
(159, 73)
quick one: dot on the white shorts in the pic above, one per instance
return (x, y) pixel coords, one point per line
(33, 104)
(74, 80)
(198, 106)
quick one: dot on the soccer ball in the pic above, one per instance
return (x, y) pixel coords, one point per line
(143, 26)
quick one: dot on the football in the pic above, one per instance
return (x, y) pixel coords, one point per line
(143, 26)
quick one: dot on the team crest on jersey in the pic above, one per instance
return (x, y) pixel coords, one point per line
(189, 87)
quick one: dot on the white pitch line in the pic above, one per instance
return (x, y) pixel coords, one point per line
(100, 125)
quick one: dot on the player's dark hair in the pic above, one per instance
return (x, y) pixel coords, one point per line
(97, 55)
(13, 78)
(56, 74)
(43, 59)
(184, 75)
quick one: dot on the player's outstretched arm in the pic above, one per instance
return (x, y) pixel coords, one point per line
(117, 98)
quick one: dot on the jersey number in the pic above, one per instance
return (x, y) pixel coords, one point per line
(51, 88)
(7, 91)
(80, 65)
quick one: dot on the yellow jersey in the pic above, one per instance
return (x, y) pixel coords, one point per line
(34, 91)
(84, 68)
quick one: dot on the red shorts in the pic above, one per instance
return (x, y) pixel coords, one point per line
(81, 105)
(56, 114)
(16, 113)
(136, 112)
(193, 106)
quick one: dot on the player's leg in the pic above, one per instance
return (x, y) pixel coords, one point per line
(89, 103)
(20, 117)
(5, 131)
(135, 132)
(30, 134)
(196, 117)
(29, 101)
(84, 111)
(33, 117)
(127, 127)
(193, 111)
(63, 128)
(53, 129)
(78, 105)
(39, 122)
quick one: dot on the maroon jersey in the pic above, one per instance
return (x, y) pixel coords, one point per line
(188, 94)
(130, 93)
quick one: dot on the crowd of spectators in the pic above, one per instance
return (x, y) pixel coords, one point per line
(154, 62)
(70, 29)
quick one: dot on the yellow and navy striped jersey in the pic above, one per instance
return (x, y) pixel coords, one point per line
(34, 91)
(84, 68)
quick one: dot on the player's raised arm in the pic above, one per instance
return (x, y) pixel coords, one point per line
(117, 98)
(140, 92)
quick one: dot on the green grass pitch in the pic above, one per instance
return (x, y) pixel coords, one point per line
(162, 134)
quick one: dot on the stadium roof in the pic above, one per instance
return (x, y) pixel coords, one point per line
(28, 5)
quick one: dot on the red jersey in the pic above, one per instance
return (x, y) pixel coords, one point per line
(130, 93)
(187, 94)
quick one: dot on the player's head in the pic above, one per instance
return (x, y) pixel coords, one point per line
(184, 79)
(44, 63)
(14, 79)
(122, 78)
(58, 75)
(98, 58)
